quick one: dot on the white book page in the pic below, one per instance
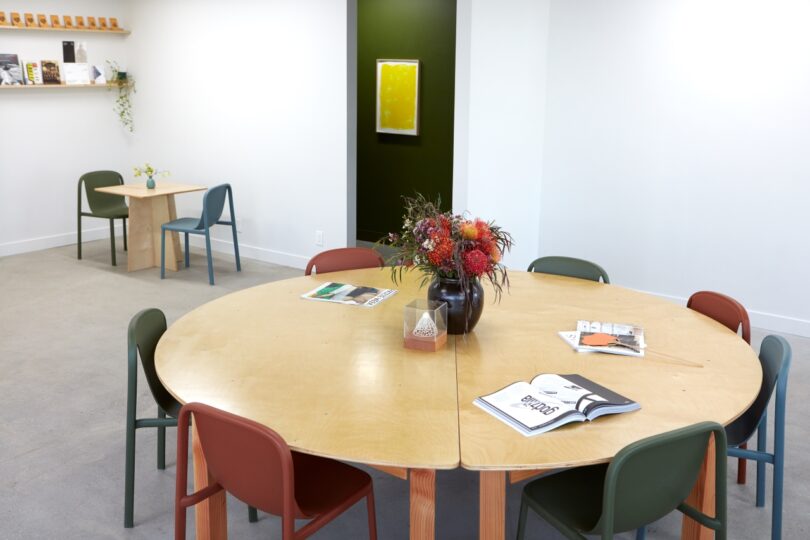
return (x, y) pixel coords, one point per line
(523, 403)
(562, 389)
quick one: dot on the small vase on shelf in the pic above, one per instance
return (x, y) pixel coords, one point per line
(150, 183)
(463, 307)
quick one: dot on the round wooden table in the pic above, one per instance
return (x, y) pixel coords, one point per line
(335, 381)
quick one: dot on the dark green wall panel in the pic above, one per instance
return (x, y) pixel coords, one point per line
(389, 166)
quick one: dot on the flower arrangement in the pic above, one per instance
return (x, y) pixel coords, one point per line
(148, 171)
(446, 245)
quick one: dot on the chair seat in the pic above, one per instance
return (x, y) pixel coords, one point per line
(110, 213)
(184, 225)
(312, 476)
(573, 496)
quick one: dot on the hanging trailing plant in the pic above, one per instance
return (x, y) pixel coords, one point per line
(125, 85)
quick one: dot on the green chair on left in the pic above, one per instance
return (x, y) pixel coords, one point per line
(145, 330)
(102, 205)
(645, 481)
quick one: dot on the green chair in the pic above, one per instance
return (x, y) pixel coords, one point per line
(569, 266)
(145, 330)
(644, 482)
(102, 205)
(213, 204)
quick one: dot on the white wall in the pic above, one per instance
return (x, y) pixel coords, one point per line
(499, 117)
(252, 93)
(676, 148)
(50, 138)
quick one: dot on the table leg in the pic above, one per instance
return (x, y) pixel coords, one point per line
(492, 505)
(702, 498)
(145, 218)
(423, 504)
(211, 515)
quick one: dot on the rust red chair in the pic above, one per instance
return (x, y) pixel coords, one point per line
(254, 463)
(350, 258)
(732, 315)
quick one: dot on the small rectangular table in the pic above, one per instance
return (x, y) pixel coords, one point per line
(148, 210)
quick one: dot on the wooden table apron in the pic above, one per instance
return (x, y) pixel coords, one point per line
(335, 381)
(148, 210)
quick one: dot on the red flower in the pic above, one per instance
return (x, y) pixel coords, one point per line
(442, 251)
(476, 262)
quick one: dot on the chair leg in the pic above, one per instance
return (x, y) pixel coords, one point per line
(253, 514)
(79, 236)
(762, 446)
(524, 510)
(124, 221)
(742, 466)
(129, 478)
(186, 250)
(161, 442)
(179, 521)
(641, 533)
(372, 516)
(236, 246)
(208, 253)
(162, 253)
(112, 240)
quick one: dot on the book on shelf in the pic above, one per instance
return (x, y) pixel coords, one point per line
(33, 73)
(97, 74)
(50, 72)
(550, 401)
(604, 337)
(343, 293)
(11, 73)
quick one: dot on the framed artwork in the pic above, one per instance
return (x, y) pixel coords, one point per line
(398, 97)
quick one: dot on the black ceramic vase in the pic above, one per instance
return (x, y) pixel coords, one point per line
(463, 311)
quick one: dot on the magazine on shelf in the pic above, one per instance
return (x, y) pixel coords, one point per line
(343, 293)
(611, 338)
(11, 73)
(33, 73)
(550, 401)
(50, 72)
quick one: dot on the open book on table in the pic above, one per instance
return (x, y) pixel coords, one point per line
(551, 401)
(612, 338)
(343, 293)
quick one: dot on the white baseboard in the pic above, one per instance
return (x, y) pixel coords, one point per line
(56, 240)
(253, 252)
(759, 319)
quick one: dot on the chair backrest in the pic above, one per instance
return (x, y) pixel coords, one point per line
(774, 356)
(723, 309)
(97, 201)
(650, 478)
(569, 266)
(214, 204)
(249, 460)
(350, 258)
(145, 330)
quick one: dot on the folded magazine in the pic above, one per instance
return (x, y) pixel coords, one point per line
(343, 293)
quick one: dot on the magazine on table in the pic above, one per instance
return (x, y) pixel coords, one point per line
(611, 338)
(343, 293)
(550, 401)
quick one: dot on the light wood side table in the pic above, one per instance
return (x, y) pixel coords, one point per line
(148, 210)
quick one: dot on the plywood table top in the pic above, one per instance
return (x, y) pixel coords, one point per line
(694, 369)
(140, 191)
(332, 379)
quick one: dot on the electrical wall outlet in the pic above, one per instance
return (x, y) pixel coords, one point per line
(319, 238)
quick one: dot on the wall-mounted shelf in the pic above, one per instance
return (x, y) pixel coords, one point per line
(119, 32)
(55, 86)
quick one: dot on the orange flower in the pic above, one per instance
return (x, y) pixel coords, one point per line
(469, 231)
(442, 252)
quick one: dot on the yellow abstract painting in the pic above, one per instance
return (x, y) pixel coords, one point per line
(398, 96)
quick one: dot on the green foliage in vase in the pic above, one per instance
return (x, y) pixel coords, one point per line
(125, 85)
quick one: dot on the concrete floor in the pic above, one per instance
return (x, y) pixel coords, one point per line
(62, 401)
